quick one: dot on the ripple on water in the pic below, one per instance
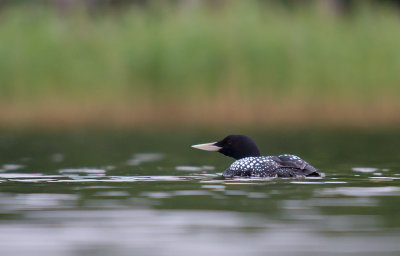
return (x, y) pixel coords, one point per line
(13, 202)
(192, 193)
(190, 168)
(79, 174)
(27, 175)
(336, 202)
(82, 170)
(188, 232)
(360, 191)
(96, 187)
(11, 167)
(306, 182)
(33, 180)
(364, 169)
(147, 178)
(382, 178)
(57, 157)
(235, 193)
(214, 187)
(140, 158)
(156, 194)
(112, 193)
(95, 175)
(74, 180)
(257, 195)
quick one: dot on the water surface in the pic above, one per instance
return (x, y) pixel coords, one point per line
(146, 193)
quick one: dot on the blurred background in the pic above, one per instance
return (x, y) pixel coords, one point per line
(137, 63)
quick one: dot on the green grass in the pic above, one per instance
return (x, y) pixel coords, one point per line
(242, 51)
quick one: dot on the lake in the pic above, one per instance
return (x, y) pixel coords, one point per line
(148, 193)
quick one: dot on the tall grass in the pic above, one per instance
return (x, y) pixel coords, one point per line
(244, 51)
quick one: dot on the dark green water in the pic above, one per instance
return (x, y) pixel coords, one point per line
(145, 193)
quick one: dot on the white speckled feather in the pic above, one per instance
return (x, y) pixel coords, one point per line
(270, 166)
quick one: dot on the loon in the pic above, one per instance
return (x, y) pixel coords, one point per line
(249, 162)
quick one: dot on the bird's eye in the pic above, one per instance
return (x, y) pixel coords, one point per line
(229, 142)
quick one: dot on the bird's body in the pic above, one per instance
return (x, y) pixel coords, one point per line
(270, 166)
(249, 162)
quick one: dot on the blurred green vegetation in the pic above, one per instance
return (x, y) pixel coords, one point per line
(244, 50)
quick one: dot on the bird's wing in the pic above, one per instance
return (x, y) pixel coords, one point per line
(293, 161)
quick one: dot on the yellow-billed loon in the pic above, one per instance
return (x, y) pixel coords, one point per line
(249, 162)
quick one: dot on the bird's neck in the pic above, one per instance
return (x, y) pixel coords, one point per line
(250, 152)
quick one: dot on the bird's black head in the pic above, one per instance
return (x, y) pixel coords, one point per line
(236, 146)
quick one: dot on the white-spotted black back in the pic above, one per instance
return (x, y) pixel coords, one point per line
(270, 166)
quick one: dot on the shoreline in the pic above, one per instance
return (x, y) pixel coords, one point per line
(170, 113)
